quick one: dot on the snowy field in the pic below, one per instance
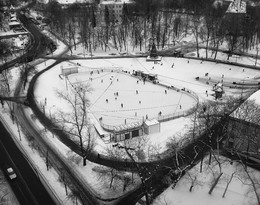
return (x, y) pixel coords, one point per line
(182, 74)
(239, 191)
(177, 72)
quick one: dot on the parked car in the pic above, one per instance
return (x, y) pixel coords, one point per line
(11, 174)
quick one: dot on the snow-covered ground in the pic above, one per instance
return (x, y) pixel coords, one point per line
(181, 74)
(239, 192)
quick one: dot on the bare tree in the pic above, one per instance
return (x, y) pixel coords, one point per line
(75, 123)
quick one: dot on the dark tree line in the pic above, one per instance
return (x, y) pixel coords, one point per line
(165, 22)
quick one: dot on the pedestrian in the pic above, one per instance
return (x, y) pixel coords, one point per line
(243, 69)
(180, 106)
(165, 91)
(139, 101)
(117, 79)
(125, 121)
(135, 113)
(172, 65)
(115, 98)
(102, 81)
(207, 93)
(106, 100)
(146, 116)
(137, 81)
(98, 156)
(122, 105)
(160, 113)
(188, 61)
(136, 91)
(222, 76)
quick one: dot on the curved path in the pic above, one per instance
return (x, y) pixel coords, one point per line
(104, 160)
(191, 150)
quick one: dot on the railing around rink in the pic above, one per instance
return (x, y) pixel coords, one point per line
(138, 124)
(160, 118)
(91, 70)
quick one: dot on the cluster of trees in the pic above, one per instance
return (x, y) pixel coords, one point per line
(166, 22)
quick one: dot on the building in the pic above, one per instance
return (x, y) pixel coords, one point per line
(115, 7)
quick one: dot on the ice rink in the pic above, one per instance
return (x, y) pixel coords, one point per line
(119, 98)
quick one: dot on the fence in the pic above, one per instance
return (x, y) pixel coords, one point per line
(162, 118)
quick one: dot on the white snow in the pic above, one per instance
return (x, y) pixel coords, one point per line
(239, 191)
(181, 75)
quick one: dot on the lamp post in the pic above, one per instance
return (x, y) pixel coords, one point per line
(257, 50)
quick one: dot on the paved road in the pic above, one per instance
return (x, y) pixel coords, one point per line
(27, 187)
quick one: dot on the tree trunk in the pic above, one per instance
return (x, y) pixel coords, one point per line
(201, 163)
(215, 183)
(228, 185)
